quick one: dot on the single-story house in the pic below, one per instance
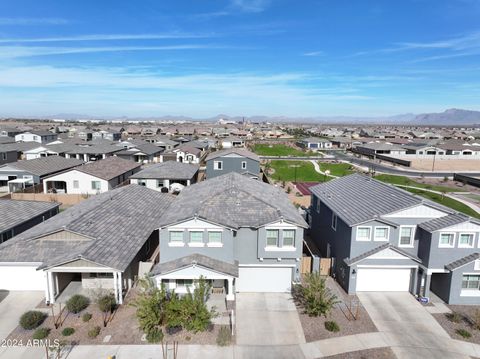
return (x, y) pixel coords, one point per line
(315, 143)
(36, 136)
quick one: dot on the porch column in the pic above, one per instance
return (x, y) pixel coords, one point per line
(104, 156)
(230, 295)
(51, 288)
(426, 288)
(120, 288)
(115, 286)
(85, 157)
(45, 186)
(415, 282)
(47, 288)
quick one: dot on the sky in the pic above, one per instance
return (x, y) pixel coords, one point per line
(201, 58)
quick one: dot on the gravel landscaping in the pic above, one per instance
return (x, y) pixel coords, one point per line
(466, 315)
(377, 353)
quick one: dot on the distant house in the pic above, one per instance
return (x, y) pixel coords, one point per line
(170, 176)
(315, 143)
(141, 152)
(9, 132)
(7, 155)
(163, 142)
(183, 153)
(92, 178)
(107, 135)
(232, 142)
(36, 136)
(18, 216)
(233, 160)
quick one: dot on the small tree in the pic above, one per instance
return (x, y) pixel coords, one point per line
(314, 296)
(107, 305)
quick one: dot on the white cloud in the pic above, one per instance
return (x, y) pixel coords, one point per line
(32, 21)
(313, 53)
(251, 5)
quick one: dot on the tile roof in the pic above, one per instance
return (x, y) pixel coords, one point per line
(237, 151)
(196, 259)
(19, 146)
(118, 223)
(17, 212)
(446, 221)
(108, 168)
(462, 261)
(45, 165)
(367, 254)
(6, 139)
(168, 170)
(235, 201)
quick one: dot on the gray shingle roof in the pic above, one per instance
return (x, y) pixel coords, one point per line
(19, 146)
(237, 151)
(357, 198)
(45, 165)
(350, 261)
(197, 259)
(14, 212)
(108, 168)
(462, 261)
(446, 221)
(119, 222)
(235, 201)
(168, 170)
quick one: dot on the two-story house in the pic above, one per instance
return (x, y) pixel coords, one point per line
(241, 234)
(233, 160)
(382, 238)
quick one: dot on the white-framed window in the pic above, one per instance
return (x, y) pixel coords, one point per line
(76, 184)
(471, 281)
(334, 221)
(466, 240)
(244, 165)
(364, 233)
(381, 234)
(406, 236)
(446, 240)
(217, 165)
(96, 185)
(184, 283)
(196, 237)
(214, 237)
(288, 238)
(272, 237)
(175, 237)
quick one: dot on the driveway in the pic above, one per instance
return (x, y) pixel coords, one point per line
(406, 324)
(267, 319)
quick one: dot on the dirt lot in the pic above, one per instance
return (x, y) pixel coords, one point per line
(377, 353)
(465, 322)
(446, 165)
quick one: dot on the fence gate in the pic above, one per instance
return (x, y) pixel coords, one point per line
(306, 265)
(325, 265)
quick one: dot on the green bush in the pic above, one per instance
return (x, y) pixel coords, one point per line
(32, 319)
(107, 303)
(77, 303)
(86, 317)
(66, 332)
(155, 335)
(224, 336)
(463, 333)
(41, 333)
(332, 326)
(454, 317)
(314, 296)
(93, 333)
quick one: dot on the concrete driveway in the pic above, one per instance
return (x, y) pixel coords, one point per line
(405, 323)
(267, 319)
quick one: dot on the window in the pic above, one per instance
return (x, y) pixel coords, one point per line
(363, 233)
(35, 138)
(465, 240)
(196, 237)
(244, 165)
(318, 204)
(406, 236)
(470, 281)
(96, 185)
(381, 234)
(447, 240)
(75, 184)
(215, 237)
(101, 275)
(334, 221)
(289, 238)
(272, 237)
(217, 165)
(176, 237)
(4, 156)
(184, 283)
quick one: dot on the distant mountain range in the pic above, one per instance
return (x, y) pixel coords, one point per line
(449, 117)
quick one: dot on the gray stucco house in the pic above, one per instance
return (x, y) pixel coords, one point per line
(233, 160)
(239, 233)
(382, 238)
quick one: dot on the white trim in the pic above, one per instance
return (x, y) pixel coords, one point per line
(469, 293)
(215, 166)
(334, 219)
(385, 266)
(267, 265)
(476, 264)
(81, 269)
(412, 236)
(214, 245)
(280, 249)
(195, 244)
(369, 234)
(435, 270)
(440, 245)
(176, 244)
(381, 238)
(20, 264)
(466, 246)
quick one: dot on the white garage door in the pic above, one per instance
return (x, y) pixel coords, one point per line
(21, 278)
(264, 279)
(383, 279)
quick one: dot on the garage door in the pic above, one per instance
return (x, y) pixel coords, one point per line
(264, 279)
(21, 278)
(383, 279)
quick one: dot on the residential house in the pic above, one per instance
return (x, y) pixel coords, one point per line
(232, 142)
(163, 142)
(183, 153)
(233, 160)
(382, 238)
(241, 234)
(36, 136)
(315, 143)
(93, 177)
(9, 132)
(107, 135)
(140, 151)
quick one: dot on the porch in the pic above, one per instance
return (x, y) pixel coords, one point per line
(55, 187)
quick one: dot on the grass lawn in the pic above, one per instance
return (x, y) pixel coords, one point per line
(448, 202)
(278, 150)
(337, 169)
(284, 171)
(402, 180)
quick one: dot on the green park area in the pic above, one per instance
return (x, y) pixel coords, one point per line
(279, 150)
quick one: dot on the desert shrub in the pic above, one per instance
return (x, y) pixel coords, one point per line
(224, 336)
(32, 319)
(86, 317)
(463, 333)
(93, 333)
(454, 317)
(155, 335)
(332, 326)
(107, 305)
(476, 319)
(66, 332)
(41, 333)
(314, 296)
(77, 303)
